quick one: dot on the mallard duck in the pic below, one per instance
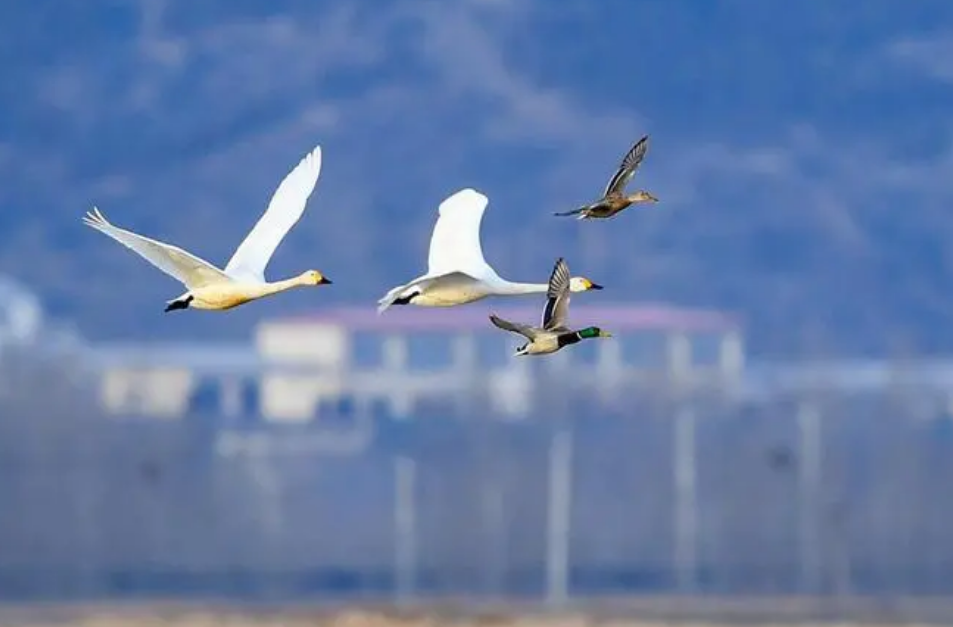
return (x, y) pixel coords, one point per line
(243, 278)
(614, 199)
(457, 273)
(553, 335)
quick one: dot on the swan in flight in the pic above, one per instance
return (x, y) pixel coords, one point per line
(554, 334)
(243, 278)
(456, 271)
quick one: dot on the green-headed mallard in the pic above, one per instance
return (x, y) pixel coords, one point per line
(614, 199)
(553, 334)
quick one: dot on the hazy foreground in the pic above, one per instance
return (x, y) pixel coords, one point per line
(646, 612)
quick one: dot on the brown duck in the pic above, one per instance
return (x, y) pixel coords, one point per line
(614, 199)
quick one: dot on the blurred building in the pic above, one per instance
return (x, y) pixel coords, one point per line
(412, 455)
(297, 369)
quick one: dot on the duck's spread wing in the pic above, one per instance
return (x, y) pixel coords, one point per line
(455, 242)
(556, 312)
(523, 329)
(285, 209)
(630, 163)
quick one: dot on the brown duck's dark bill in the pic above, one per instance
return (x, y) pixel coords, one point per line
(595, 286)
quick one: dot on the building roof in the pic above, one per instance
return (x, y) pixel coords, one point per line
(473, 317)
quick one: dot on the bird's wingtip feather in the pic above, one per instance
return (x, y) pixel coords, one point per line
(468, 191)
(467, 194)
(93, 217)
(314, 157)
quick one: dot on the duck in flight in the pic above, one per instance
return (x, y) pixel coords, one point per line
(554, 334)
(457, 273)
(615, 199)
(243, 278)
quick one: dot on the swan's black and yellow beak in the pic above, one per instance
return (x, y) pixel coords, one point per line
(594, 286)
(325, 281)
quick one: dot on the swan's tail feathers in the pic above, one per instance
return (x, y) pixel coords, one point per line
(398, 296)
(572, 213)
(96, 219)
(389, 299)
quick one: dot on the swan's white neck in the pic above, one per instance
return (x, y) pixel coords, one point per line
(508, 287)
(267, 289)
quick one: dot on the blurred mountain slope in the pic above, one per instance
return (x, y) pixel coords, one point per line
(802, 153)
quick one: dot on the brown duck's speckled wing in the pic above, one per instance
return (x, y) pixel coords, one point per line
(631, 162)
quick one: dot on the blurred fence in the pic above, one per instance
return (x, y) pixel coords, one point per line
(817, 496)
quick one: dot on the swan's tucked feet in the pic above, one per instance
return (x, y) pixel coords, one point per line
(182, 303)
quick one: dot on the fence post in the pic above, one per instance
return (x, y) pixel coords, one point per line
(405, 527)
(685, 498)
(493, 462)
(809, 470)
(405, 513)
(559, 514)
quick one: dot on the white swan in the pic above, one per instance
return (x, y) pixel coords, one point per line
(243, 279)
(456, 271)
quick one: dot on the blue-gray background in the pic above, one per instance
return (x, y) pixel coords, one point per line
(801, 151)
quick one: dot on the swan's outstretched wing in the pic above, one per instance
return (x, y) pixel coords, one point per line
(192, 271)
(523, 329)
(455, 243)
(630, 163)
(556, 312)
(286, 206)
